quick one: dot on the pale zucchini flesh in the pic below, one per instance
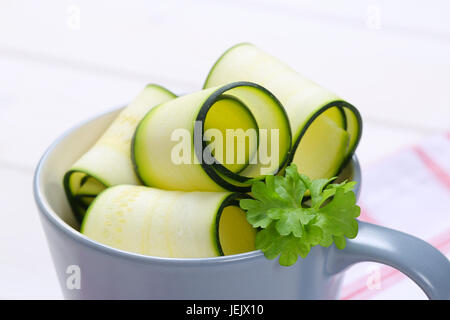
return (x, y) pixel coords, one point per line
(108, 161)
(321, 160)
(171, 224)
(304, 101)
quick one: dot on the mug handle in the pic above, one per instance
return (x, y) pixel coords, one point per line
(417, 259)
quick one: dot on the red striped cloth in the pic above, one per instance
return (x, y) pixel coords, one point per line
(408, 191)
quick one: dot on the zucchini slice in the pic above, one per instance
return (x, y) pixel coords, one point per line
(324, 157)
(308, 105)
(173, 224)
(170, 149)
(108, 162)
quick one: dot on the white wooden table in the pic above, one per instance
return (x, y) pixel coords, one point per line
(64, 61)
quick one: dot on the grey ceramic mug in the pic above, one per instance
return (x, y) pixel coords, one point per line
(90, 270)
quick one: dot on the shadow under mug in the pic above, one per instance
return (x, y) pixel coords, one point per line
(107, 273)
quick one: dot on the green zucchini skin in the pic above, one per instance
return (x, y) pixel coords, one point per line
(96, 165)
(211, 177)
(230, 67)
(78, 208)
(352, 111)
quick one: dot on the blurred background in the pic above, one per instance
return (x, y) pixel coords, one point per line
(62, 62)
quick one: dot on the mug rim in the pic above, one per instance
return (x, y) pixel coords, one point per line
(50, 215)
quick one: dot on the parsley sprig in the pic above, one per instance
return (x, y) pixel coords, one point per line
(288, 226)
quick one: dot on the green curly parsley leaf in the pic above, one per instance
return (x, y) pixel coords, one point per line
(287, 228)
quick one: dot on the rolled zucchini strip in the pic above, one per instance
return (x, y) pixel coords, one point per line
(171, 224)
(326, 129)
(213, 140)
(108, 162)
